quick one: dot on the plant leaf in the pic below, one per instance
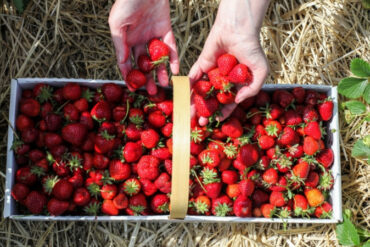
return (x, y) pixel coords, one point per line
(360, 68)
(352, 87)
(360, 149)
(19, 5)
(367, 244)
(356, 107)
(367, 94)
(346, 233)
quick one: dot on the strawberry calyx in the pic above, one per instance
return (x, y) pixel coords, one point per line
(207, 159)
(222, 209)
(131, 187)
(74, 163)
(209, 176)
(196, 135)
(163, 208)
(93, 208)
(17, 143)
(94, 190)
(50, 183)
(107, 179)
(201, 207)
(38, 171)
(272, 130)
(326, 181)
(87, 94)
(137, 120)
(106, 135)
(137, 209)
(45, 94)
(230, 151)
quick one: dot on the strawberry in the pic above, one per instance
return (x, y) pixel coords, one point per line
(119, 171)
(29, 107)
(23, 122)
(133, 132)
(101, 111)
(313, 129)
(149, 138)
(136, 79)
(203, 88)
(74, 133)
(57, 207)
(246, 187)
(324, 210)
(300, 205)
(277, 199)
(326, 109)
(120, 201)
(326, 181)
(35, 202)
(71, 91)
(292, 118)
(225, 97)
(248, 155)
(25, 176)
(314, 197)
(104, 142)
(240, 74)
(81, 105)
(301, 170)
(262, 99)
(312, 180)
(242, 206)
(310, 114)
(20, 191)
(148, 167)
(112, 92)
(148, 187)
(270, 177)
(52, 139)
(326, 158)
(229, 177)
(266, 142)
(210, 158)
(138, 203)
(259, 197)
(288, 137)
(100, 161)
(226, 63)
(310, 145)
(232, 128)
(202, 204)
(163, 183)
(295, 151)
(221, 206)
(53, 122)
(268, 210)
(160, 204)
(272, 127)
(145, 64)
(161, 153)
(157, 119)
(81, 197)
(158, 51)
(205, 107)
(63, 189)
(108, 191)
(284, 98)
(131, 186)
(71, 113)
(132, 151)
(281, 184)
(109, 208)
(299, 94)
(311, 97)
(166, 107)
(29, 135)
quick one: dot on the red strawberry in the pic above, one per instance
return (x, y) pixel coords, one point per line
(57, 207)
(25, 176)
(242, 206)
(71, 91)
(81, 105)
(109, 208)
(158, 51)
(167, 129)
(53, 122)
(163, 183)
(281, 185)
(108, 191)
(29, 107)
(213, 189)
(268, 210)
(112, 92)
(52, 139)
(221, 206)
(205, 107)
(133, 132)
(247, 103)
(301, 170)
(148, 167)
(74, 133)
(225, 97)
(149, 138)
(310, 145)
(20, 191)
(272, 127)
(101, 111)
(203, 88)
(248, 155)
(295, 151)
(266, 142)
(157, 119)
(314, 197)
(232, 128)
(313, 129)
(81, 197)
(324, 210)
(311, 97)
(71, 113)
(104, 142)
(326, 109)
(23, 122)
(312, 180)
(283, 98)
(35, 202)
(63, 189)
(226, 63)
(119, 171)
(120, 201)
(262, 99)
(288, 137)
(145, 64)
(229, 177)
(166, 107)
(160, 204)
(161, 153)
(299, 94)
(277, 199)
(259, 197)
(246, 187)
(310, 114)
(148, 187)
(131, 186)
(210, 158)
(326, 157)
(202, 204)
(292, 118)
(136, 79)
(132, 151)
(138, 203)
(270, 177)
(240, 74)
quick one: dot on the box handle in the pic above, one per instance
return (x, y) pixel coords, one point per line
(181, 147)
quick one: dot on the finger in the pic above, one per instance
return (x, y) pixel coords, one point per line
(193, 111)
(195, 73)
(119, 38)
(125, 68)
(245, 92)
(139, 50)
(162, 75)
(203, 121)
(226, 111)
(170, 41)
(151, 87)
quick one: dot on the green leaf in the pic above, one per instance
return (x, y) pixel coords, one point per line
(367, 244)
(356, 107)
(367, 94)
(366, 4)
(346, 233)
(352, 87)
(360, 149)
(360, 68)
(19, 5)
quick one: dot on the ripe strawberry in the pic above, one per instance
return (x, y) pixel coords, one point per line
(326, 109)
(161, 153)
(145, 64)
(57, 207)
(149, 138)
(248, 155)
(268, 210)
(63, 189)
(202, 204)
(270, 177)
(20, 191)
(226, 63)
(242, 206)
(25, 176)
(205, 107)
(246, 187)
(138, 203)
(112, 92)
(71, 113)
(225, 97)
(311, 97)
(133, 132)
(313, 129)
(314, 197)
(120, 201)
(240, 74)
(52, 139)
(71, 91)
(221, 206)
(288, 137)
(104, 142)
(300, 205)
(29, 135)
(166, 107)
(292, 118)
(310, 114)
(101, 111)
(310, 145)
(81, 197)
(23, 122)
(100, 161)
(281, 185)
(157, 119)
(158, 51)
(160, 204)
(132, 151)
(203, 88)
(272, 127)
(29, 107)
(301, 170)
(163, 183)
(119, 171)
(148, 187)
(131, 186)
(213, 189)
(232, 128)
(74, 133)
(229, 177)
(277, 199)
(148, 167)
(232, 190)
(35, 202)
(109, 208)
(324, 210)
(266, 142)
(259, 197)
(295, 151)
(210, 158)
(326, 158)
(136, 79)
(299, 94)
(53, 122)
(262, 99)
(312, 180)
(108, 191)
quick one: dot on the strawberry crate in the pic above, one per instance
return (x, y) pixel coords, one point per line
(10, 208)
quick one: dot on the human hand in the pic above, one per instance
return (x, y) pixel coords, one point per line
(132, 24)
(235, 31)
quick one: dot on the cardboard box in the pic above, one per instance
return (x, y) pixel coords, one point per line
(26, 83)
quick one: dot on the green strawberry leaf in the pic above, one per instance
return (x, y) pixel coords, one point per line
(360, 68)
(361, 149)
(352, 87)
(356, 107)
(347, 233)
(367, 244)
(366, 94)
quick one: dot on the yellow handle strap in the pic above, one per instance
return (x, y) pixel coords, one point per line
(181, 147)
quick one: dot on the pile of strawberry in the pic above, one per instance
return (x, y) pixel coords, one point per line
(268, 158)
(86, 151)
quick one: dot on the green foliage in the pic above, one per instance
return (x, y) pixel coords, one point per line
(355, 107)
(350, 235)
(361, 149)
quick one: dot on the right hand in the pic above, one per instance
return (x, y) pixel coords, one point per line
(133, 23)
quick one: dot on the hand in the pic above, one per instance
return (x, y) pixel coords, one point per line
(235, 31)
(132, 24)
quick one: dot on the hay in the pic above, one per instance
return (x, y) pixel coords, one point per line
(306, 42)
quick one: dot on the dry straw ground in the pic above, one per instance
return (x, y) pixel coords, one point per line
(306, 42)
